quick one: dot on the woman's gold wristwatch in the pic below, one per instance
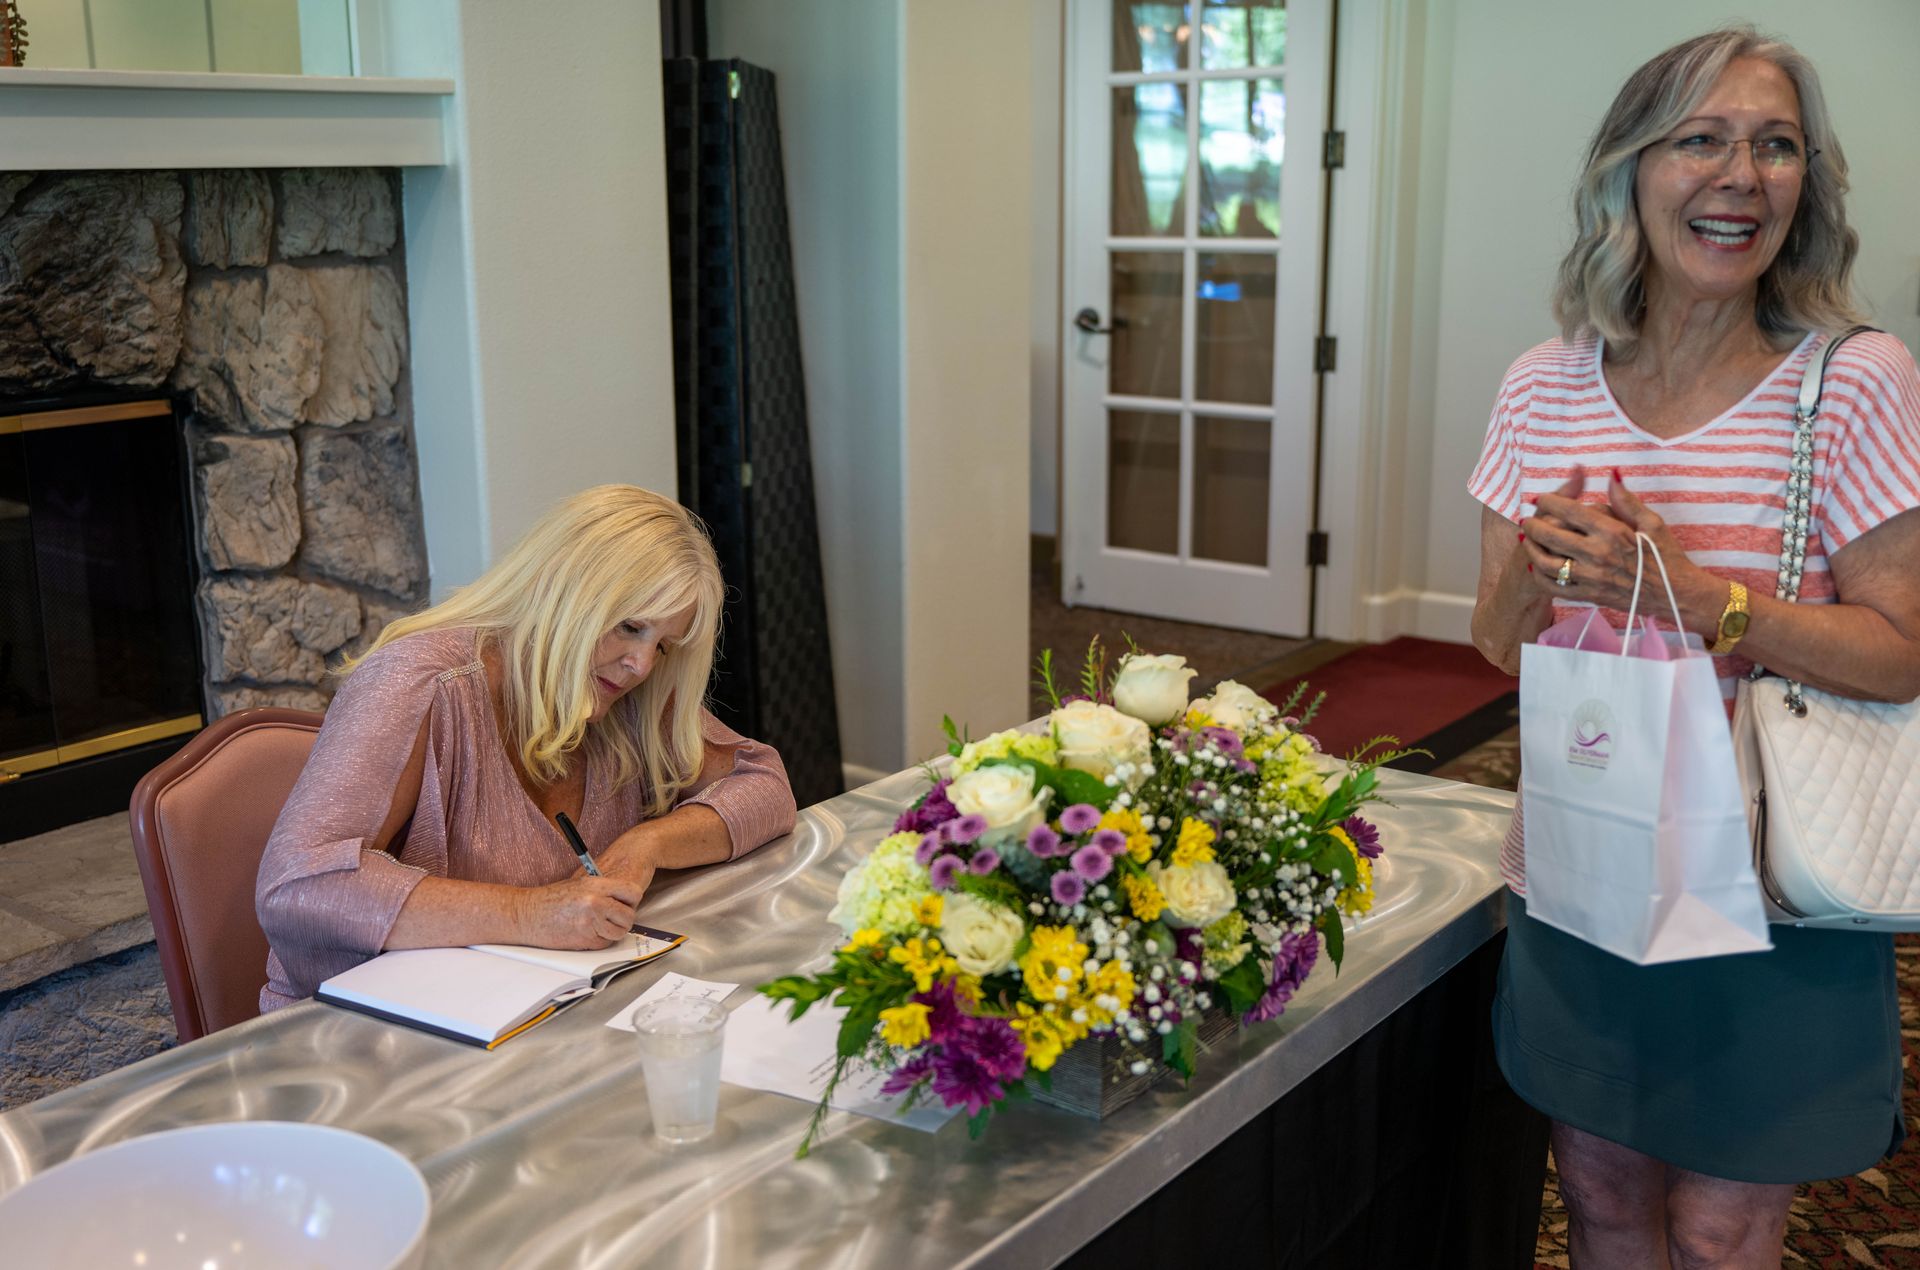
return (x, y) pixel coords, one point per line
(1733, 620)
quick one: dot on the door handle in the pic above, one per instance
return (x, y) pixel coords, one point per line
(1088, 320)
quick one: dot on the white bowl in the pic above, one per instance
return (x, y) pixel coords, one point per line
(224, 1197)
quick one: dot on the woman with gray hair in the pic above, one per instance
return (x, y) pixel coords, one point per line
(1711, 263)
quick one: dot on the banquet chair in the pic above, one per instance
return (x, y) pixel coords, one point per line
(200, 822)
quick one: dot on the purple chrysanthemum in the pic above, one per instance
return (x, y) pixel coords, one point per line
(1365, 836)
(1225, 740)
(1189, 944)
(929, 848)
(1092, 863)
(1043, 842)
(1079, 818)
(945, 1015)
(1068, 889)
(942, 871)
(984, 861)
(964, 830)
(1292, 961)
(995, 1046)
(908, 1074)
(934, 810)
(1111, 841)
(963, 1080)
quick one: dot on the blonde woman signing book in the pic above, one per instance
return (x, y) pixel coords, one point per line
(568, 678)
(1710, 264)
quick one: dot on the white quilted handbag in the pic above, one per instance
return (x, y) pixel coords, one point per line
(1833, 784)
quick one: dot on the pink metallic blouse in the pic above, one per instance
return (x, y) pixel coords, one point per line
(327, 898)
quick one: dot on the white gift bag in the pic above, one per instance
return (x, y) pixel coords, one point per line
(1636, 828)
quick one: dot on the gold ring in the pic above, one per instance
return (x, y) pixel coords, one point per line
(1565, 576)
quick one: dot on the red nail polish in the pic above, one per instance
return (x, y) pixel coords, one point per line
(1523, 535)
(1618, 479)
(1529, 567)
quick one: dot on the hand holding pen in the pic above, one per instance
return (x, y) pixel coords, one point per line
(578, 843)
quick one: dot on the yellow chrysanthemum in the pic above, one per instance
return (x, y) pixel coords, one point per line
(1041, 1034)
(866, 937)
(1144, 896)
(924, 960)
(905, 1025)
(1358, 898)
(1127, 821)
(1053, 962)
(1196, 718)
(1195, 844)
(927, 912)
(1111, 980)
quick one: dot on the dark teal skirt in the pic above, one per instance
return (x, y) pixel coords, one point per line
(1781, 1066)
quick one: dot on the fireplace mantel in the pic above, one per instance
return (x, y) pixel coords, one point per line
(94, 119)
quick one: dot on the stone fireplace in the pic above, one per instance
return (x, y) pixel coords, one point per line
(270, 308)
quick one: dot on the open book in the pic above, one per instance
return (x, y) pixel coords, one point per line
(486, 993)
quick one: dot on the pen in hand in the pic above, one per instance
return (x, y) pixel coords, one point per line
(574, 840)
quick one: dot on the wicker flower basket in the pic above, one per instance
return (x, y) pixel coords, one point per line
(1092, 1080)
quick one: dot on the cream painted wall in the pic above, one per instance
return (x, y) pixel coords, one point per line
(967, 111)
(905, 130)
(1506, 109)
(1045, 36)
(537, 265)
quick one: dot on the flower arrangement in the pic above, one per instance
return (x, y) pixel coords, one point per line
(1141, 861)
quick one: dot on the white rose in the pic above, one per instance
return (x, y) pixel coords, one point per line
(1095, 739)
(1196, 894)
(1234, 705)
(980, 936)
(1152, 689)
(1004, 795)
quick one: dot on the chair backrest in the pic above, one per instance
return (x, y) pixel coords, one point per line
(200, 822)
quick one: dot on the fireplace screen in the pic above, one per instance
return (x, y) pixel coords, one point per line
(98, 644)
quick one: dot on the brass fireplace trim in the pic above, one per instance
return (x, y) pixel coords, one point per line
(20, 764)
(10, 424)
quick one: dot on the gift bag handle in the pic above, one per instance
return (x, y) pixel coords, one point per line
(1641, 545)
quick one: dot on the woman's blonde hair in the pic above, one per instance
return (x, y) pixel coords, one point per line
(1809, 285)
(597, 559)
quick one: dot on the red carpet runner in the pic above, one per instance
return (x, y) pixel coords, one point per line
(1408, 687)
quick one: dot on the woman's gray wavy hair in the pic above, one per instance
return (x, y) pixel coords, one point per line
(1809, 285)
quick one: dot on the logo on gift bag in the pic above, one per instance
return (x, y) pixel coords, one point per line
(1590, 739)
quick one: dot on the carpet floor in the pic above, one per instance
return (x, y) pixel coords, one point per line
(1411, 689)
(1871, 1219)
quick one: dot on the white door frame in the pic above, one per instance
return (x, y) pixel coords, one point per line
(1272, 597)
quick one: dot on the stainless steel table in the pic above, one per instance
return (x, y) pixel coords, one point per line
(539, 1153)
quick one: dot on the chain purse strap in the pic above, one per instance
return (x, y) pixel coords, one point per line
(1793, 537)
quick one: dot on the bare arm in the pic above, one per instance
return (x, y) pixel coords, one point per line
(686, 837)
(1510, 610)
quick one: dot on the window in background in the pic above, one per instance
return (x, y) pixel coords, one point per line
(271, 37)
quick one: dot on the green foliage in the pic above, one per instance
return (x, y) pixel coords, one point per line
(1244, 984)
(1043, 678)
(992, 888)
(1335, 936)
(1093, 671)
(1068, 786)
(955, 741)
(1176, 1049)
(1313, 708)
(1292, 702)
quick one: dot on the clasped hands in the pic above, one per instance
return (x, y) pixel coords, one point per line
(1594, 548)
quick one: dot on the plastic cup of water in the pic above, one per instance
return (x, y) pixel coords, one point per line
(680, 1054)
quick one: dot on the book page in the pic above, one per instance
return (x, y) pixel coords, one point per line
(454, 990)
(641, 944)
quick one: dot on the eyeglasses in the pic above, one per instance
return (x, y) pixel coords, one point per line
(1704, 152)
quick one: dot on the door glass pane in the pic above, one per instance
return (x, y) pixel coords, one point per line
(1144, 359)
(1143, 481)
(1149, 159)
(1149, 37)
(1231, 465)
(1242, 33)
(1233, 321)
(1242, 139)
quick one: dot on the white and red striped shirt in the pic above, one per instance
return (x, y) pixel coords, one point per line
(1721, 487)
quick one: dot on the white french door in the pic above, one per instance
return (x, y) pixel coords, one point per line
(1192, 226)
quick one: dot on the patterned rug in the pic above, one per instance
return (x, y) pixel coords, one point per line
(1870, 1219)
